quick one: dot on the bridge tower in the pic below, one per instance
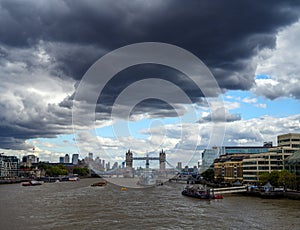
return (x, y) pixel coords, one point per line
(129, 159)
(162, 160)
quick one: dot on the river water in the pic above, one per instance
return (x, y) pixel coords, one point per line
(77, 205)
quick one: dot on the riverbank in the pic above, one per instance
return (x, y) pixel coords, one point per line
(294, 195)
(13, 180)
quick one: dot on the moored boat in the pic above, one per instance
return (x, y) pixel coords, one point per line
(99, 184)
(35, 182)
(200, 192)
(26, 183)
(32, 183)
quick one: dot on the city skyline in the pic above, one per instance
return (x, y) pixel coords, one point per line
(251, 49)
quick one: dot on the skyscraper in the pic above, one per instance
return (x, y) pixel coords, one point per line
(75, 159)
(67, 158)
(61, 160)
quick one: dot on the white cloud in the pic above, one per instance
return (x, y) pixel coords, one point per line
(231, 105)
(257, 130)
(261, 105)
(249, 100)
(281, 64)
(178, 140)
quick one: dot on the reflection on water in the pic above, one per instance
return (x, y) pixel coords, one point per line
(77, 205)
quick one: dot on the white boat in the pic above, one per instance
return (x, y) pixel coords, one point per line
(32, 183)
(74, 178)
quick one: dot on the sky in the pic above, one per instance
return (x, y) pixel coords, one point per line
(48, 49)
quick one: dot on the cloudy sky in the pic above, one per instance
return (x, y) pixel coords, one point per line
(46, 48)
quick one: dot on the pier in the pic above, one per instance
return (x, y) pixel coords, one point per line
(230, 190)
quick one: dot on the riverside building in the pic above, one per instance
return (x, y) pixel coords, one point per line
(9, 166)
(227, 160)
(229, 167)
(265, 162)
(247, 163)
(274, 159)
(291, 140)
(209, 155)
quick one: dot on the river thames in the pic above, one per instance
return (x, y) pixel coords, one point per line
(77, 205)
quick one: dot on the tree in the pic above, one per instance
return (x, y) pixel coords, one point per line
(208, 174)
(81, 171)
(274, 177)
(43, 166)
(287, 179)
(264, 177)
(56, 170)
(269, 177)
(279, 178)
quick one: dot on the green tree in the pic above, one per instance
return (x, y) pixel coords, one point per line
(274, 178)
(279, 178)
(81, 171)
(208, 174)
(269, 177)
(56, 170)
(264, 177)
(43, 166)
(287, 179)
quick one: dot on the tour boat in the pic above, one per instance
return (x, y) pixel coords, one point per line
(200, 192)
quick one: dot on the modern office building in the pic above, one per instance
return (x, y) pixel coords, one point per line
(9, 166)
(107, 166)
(179, 166)
(291, 140)
(274, 159)
(61, 160)
(265, 162)
(247, 149)
(67, 158)
(115, 166)
(75, 159)
(254, 160)
(209, 155)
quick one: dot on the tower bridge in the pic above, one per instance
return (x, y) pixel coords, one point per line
(161, 158)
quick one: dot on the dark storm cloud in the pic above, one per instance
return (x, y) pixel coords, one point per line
(225, 35)
(139, 72)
